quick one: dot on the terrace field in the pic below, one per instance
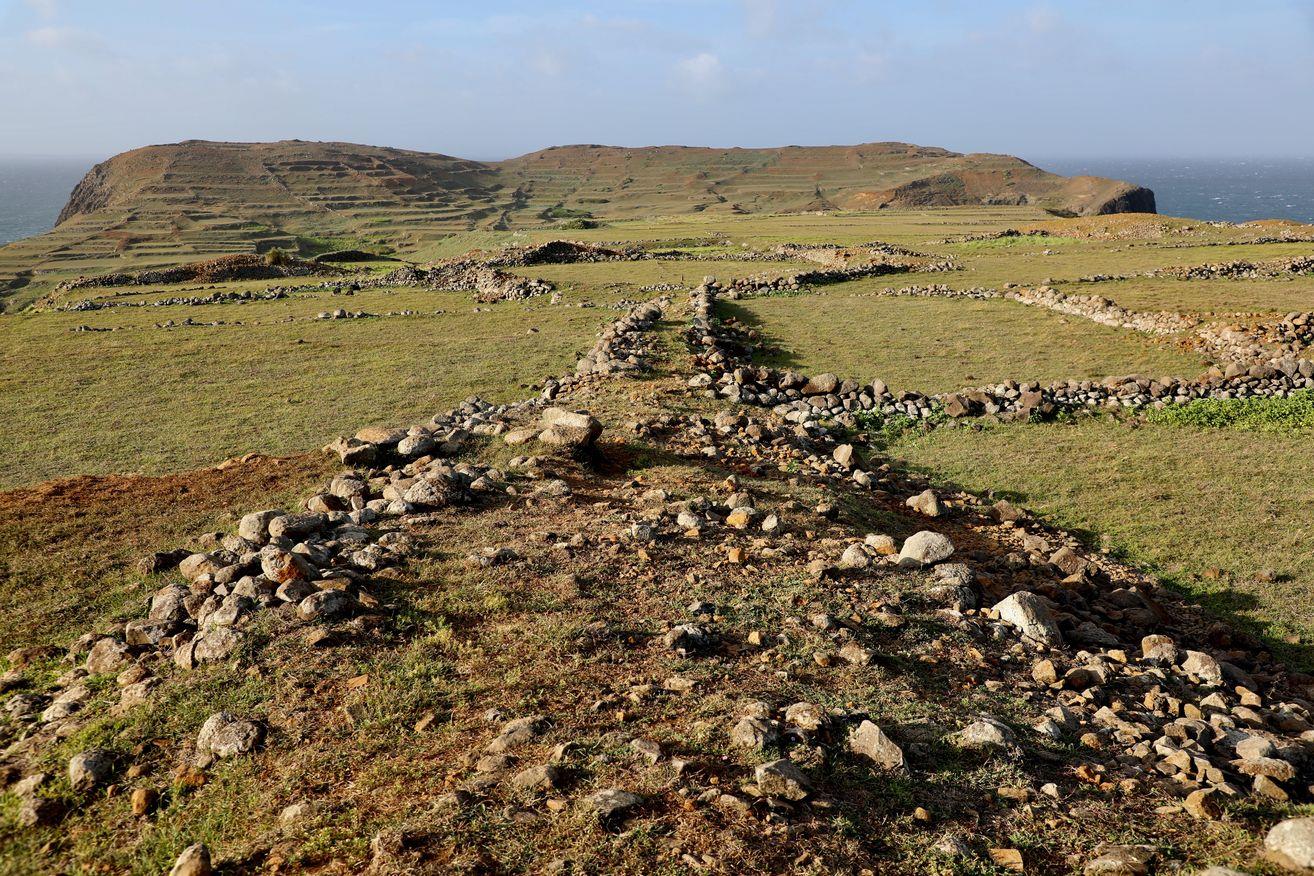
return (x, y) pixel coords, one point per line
(934, 345)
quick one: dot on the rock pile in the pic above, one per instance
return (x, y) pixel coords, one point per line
(1240, 269)
(220, 270)
(624, 345)
(466, 275)
(1102, 310)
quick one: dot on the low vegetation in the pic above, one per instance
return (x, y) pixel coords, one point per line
(1261, 414)
(935, 345)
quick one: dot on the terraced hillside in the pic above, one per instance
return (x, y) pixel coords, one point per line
(182, 202)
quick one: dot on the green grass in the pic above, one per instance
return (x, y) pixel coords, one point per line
(1259, 414)
(143, 399)
(1182, 501)
(1274, 295)
(935, 345)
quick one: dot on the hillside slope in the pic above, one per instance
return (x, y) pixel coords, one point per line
(182, 202)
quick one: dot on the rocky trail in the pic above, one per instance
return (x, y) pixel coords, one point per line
(671, 615)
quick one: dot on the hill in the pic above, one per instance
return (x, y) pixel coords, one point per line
(169, 204)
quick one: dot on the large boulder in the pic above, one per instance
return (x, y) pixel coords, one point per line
(870, 741)
(1291, 844)
(574, 430)
(1032, 617)
(925, 548)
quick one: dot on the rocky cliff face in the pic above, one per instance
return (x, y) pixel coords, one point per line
(1134, 199)
(92, 193)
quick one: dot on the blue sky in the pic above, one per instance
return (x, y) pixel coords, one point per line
(489, 80)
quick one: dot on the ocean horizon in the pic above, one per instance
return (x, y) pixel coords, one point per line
(34, 190)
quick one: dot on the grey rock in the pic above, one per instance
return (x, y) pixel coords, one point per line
(225, 735)
(107, 655)
(325, 605)
(780, 778)
(1032, 617)
(925, 548)
(87, 769)
(982, 734)
(686, 639)
(1119, 860)
(254, 527)
(870, 741)
(194, 861)
(611, 804)
(754, 733)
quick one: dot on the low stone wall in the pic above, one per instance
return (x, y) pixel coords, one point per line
(464, 275)
(723, 355)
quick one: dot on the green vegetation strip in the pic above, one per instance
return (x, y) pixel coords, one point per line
(1259, 414)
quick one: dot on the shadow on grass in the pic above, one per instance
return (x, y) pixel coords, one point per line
(772, 352)
(1232, 607)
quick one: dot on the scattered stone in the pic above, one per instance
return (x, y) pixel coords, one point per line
(780, 778)
(870, 741)
(569, 429)
(538, 779)
(1291, 843)
(1118, 860)
(687, 639)
(194, 861)
(984, 733)
(926, 503)
(88, 769)
(225, 735)
(612, 804)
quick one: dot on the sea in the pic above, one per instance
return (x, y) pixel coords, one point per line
(1213, 189)
(33, 190)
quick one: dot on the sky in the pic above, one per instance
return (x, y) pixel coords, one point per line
(1109, 78)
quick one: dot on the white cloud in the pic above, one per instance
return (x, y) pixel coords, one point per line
(44, 8)
(1043, 19)
(703, 71)
(50, 37)
(548, 63)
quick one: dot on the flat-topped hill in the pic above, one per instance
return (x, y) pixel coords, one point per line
(166, 205)
(296, 180)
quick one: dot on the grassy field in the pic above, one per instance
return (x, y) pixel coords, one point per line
(935, 345)
(142, 399)
(1211, 509)
(1269, 295)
